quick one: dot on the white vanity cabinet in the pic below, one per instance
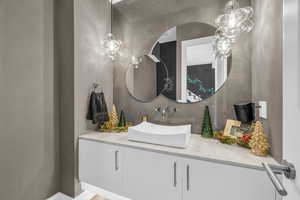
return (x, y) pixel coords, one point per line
(143, 174)
(101, 165)
(213, 181)
(151, 176)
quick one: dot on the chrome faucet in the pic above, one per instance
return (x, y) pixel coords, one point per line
(164, 111)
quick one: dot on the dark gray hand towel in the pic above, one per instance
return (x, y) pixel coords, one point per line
(97, 110)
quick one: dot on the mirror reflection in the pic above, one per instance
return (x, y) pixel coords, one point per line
(194, 72)
(181, 65)
(143, 80)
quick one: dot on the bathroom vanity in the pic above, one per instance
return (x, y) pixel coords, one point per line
(206, 169)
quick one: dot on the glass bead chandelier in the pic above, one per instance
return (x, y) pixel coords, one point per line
(231, 25)
(111, 45)
(223, 46)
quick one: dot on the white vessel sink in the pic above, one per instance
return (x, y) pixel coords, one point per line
(175, 136)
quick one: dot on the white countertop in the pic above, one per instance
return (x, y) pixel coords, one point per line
(199, 148)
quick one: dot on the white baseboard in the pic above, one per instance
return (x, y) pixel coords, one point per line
(101, 192)
(86, 195)
(60, 196)
(89, 192)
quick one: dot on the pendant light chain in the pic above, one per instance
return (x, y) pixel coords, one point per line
(111, 15)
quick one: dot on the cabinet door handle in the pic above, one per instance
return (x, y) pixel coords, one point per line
(116, 160)
(187, 177)
(175, 174)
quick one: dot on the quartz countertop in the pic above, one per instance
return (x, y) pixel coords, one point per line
(198, 148)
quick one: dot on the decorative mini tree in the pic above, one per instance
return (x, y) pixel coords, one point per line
(122, 121)
(114, 117)
(259, 141)
(207, 130)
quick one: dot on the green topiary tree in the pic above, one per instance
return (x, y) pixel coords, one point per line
(122, 121)
(207, 130)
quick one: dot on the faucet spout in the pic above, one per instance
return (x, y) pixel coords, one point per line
(163, 112)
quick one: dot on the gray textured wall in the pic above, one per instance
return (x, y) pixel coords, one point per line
(80, 26)
(29, 140)
(267, 67)
(139, 23)
(91, 66)
(64, 61)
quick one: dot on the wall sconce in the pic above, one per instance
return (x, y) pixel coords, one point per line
(136, 61)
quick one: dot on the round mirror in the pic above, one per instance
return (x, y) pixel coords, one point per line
(181, 65)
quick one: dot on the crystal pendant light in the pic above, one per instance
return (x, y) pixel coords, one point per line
(111, 45)
(222, 46)
(235, 21)
(231, 25)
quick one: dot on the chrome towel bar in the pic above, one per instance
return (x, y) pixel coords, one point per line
(286, 168)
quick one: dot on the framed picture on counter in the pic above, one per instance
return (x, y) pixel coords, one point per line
(237, 131)
(228, 131)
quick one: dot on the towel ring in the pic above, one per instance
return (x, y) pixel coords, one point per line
(95, 86)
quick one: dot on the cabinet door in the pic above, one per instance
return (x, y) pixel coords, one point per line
(211, 181)
(151, 176)
(100, 165)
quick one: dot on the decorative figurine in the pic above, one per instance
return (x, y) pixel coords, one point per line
(207, 130)
(113, 117)
(122, 121)
(259, 141)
